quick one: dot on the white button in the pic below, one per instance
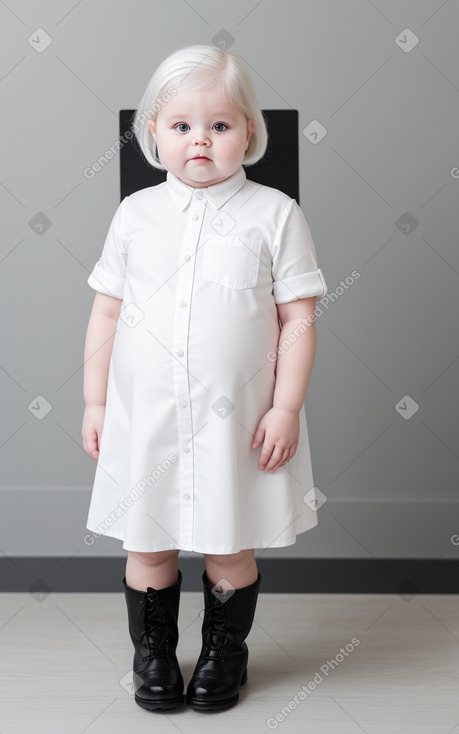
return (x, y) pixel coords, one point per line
(180, 352)
(186, 496)
(198, 194)
(183, 303)
(183, 404)
(195, 217)
(187, 258)
(186, 450)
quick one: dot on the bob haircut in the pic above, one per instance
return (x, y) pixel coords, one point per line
(199, 67)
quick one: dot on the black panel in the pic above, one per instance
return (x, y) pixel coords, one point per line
(405, 577)
(278, 167)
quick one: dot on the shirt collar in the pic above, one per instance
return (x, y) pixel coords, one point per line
(217, 195)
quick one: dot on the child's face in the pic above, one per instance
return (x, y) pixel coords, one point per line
(201, 123)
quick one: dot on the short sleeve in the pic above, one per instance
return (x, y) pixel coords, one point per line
(109, 273)
(294, 262)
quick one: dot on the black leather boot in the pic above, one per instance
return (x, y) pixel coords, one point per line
(153, 615)
(222, 664)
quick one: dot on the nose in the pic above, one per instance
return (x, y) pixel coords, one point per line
(200, 138)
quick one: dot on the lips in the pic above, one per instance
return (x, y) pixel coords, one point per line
(200, 158)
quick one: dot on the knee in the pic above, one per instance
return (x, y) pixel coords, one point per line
(229, 559)
(154, 559)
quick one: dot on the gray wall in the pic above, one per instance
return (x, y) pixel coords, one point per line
(389, 158)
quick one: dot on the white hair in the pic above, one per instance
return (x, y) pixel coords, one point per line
(200, 67)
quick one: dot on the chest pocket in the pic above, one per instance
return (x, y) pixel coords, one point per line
(231, 261)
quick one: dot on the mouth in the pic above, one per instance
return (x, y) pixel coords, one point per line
(200, 158)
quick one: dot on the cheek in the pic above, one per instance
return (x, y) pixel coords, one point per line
(233, 148)
(170, 144)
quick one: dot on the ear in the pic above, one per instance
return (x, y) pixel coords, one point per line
(152, 126)
(250, 129)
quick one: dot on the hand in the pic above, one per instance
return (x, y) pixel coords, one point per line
(93, 422)
(278, 431)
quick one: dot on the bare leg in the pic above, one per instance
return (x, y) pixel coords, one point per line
(158, 570)
(235, 570)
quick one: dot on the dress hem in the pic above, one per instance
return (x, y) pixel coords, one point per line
(257, 544)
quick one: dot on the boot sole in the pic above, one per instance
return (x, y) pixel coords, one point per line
(160, 705)
(214, 706)
(202, 705)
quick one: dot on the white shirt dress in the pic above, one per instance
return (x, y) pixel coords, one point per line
(192, 369)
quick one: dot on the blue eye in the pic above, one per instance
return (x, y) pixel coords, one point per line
(222, 125)
(182, 125)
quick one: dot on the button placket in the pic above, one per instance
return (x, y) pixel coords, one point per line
(189, 246)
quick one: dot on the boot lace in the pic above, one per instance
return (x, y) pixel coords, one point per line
(217, 631)
(155, 628)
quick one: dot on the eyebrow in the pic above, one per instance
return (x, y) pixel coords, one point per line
(228, 115)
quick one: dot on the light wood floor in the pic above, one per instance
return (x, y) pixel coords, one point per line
(62, 660)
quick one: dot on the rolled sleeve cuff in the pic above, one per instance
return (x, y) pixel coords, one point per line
(110, 285)
(300, 286)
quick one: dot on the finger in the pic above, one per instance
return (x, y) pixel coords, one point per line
(258, 438)
(95, 445)
(265, 455)
(282, 461)
(89, 443)
(289, 453)
(275, 460)
(286, 457)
